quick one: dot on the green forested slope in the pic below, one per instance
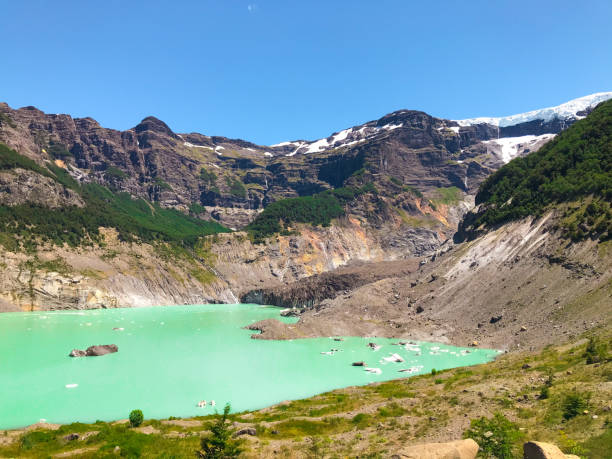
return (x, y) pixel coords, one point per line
(574, 168)
(134, 219)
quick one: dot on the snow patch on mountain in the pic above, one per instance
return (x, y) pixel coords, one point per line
(511, 147)
(344, 138)
(191, 145)
(567, 110)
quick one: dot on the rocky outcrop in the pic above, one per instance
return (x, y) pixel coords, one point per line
(541, 450)
(94, 351)
(20, 186)
(231, 179)
(505, 272)
(312, 290)
(246, 431)
(459, 449)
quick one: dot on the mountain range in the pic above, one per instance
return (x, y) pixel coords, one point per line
(94, 217)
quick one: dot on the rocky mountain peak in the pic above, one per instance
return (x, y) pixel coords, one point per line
(401, 116)
(150, 123)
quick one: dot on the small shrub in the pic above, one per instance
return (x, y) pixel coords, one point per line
(33, 439)
(497, 437)
(136, 418)
(219, 443)
(595, 351)
(58, 151)
(392, 410)
(574, 404)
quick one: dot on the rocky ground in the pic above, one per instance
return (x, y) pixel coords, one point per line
(517, 287)
(119, 274)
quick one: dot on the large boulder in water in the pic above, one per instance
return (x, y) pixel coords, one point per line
(93, 351)
(459, 449)
(103, 349)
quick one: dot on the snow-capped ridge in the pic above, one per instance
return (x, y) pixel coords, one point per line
(567, 110)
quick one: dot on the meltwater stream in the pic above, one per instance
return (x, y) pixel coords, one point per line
(172, 357)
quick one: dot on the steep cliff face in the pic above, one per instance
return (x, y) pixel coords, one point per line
(20, 186)
(230, 180)
(417, 175)
(120, 274)
(518, 286)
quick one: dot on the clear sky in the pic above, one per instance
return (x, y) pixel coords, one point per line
(269, 71)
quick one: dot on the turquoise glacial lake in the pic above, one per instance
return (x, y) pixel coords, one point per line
(170, 358)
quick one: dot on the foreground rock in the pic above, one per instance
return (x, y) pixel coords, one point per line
(540, 450)
(459, 449)
(93, 351)
(246, 431)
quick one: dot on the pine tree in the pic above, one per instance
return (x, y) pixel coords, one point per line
(219, 443)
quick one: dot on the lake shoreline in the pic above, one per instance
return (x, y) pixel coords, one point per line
(206, 345)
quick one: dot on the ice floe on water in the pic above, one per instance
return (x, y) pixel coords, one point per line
(71, 386)
(412, 370)
(393, 358)
(375, 371)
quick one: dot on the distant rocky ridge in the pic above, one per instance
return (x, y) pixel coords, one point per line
(231, 179)
(425, 171)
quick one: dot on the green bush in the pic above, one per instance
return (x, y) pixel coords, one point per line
(595, 351)
(236, 187)
(32, 439)
(208, 177)
(574, 404)
(58, 151)
(220, 443)
(497, 437)
(136, 418)
(114, 173)
(161, 184)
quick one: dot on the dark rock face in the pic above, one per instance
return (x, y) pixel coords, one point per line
(240, 177)
(93, 351)
(232, 179)
(310, 291)
(22, 186)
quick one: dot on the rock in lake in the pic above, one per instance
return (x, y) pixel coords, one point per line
(78, 353)
(93, 351)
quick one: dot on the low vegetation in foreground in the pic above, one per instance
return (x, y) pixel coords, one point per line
(553, 395)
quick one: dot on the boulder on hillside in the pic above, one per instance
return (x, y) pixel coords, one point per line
(541, 450)
(93, 351)
(459, 449)
(246, 431)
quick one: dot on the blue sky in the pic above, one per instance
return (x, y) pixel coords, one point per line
(269, 71)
